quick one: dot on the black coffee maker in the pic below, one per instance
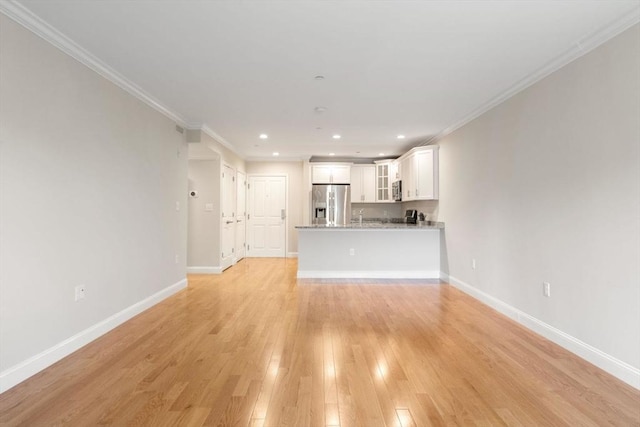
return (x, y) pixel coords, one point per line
(411, 216)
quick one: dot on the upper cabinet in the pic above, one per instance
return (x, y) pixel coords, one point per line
(419, 170)
(363, 184)
(371, 183)
(331, 173)
(408, 181)
(394, 171)
(385, 175)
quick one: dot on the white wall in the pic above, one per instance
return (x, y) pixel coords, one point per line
(546, 187)
(227, 156)
(296, 199)
(89, 180)
(207, 157)
(203, 251)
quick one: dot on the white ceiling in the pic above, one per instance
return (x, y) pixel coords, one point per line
(418, 68)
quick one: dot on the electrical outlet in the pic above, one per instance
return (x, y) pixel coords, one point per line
(352, 251)
(79, 292)
(473, 263)
(177, 258)
(546, 289)
(177, 206)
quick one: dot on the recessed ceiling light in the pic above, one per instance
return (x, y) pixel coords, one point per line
(400, 136)
(320, 110)
(276, 154)
(319, 77)
(336, 136)
(380, 154)
(264, 136)
(332, 154)
(318, 128)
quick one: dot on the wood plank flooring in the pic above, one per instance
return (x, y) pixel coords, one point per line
(255, 347)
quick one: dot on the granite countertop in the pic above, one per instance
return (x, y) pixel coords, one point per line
(368, 225)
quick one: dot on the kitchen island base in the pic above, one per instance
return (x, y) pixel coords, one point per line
(371, 253)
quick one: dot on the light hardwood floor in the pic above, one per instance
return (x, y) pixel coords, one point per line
(255, 347)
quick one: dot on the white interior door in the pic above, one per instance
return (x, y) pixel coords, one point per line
(266, 223)
(241, 215)
(227, 256)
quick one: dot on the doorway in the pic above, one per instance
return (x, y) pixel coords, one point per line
(241, 215)
(267, 216)
(228, 217)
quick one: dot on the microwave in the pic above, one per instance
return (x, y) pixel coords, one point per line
(396, 191)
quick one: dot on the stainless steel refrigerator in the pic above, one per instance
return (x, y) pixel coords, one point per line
(330, 204)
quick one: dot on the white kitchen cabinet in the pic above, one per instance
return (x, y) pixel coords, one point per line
(331, 173)
(341, 174)
(423, 171)
(363, 184)
(394, 171)
(408, 181)
(385, 175)
(420, 174)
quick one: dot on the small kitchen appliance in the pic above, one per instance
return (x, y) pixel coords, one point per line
(411, 216)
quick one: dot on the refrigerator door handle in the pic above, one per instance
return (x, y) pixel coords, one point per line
(331, 212)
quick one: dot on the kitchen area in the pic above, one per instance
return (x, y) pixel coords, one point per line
(376, 220)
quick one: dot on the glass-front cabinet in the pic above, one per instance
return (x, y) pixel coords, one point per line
(383, 181)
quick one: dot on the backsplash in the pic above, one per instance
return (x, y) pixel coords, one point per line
(395, 210)
(428, 207)
(377, 210)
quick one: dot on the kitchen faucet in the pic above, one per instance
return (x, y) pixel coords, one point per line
(360, 216)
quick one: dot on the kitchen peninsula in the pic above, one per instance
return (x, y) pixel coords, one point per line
(370, 250)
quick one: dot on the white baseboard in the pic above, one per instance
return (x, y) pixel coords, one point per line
(204, 270)
(602, 360)
(292, 254)
(376, 274)
(23, 370)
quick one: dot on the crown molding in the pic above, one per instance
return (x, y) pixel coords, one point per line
(580, 48)
(272, 159)
(38, 26)
(206, 129)
(35, 24)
